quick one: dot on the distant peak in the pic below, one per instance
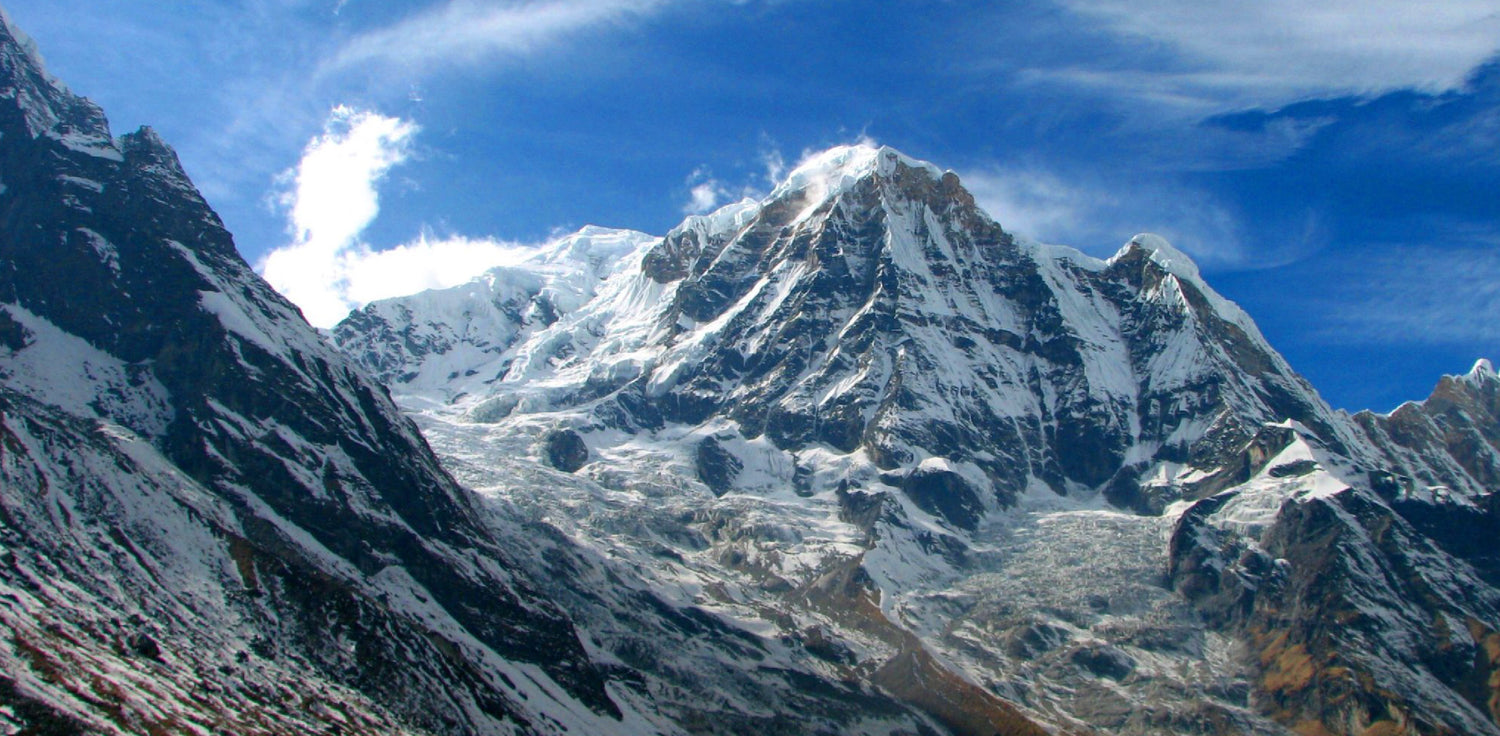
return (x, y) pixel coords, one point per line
(146, 141)
(1163, 254)
(1482, 370)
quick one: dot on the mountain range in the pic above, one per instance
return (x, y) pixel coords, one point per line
(848, 458)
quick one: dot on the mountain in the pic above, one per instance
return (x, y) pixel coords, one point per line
(1368, 596)
(211, 520)
(869, 306)
(988, 476)
(848, 458)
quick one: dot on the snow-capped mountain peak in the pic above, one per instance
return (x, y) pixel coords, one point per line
(1483, 370)
(868, 306)
(860, 393)
(826, 173)
(1162, 253)
(458, 340)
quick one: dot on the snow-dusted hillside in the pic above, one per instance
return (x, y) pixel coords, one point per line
(859, 415)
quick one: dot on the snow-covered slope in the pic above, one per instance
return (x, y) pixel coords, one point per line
(453, 342)
(212, 521)
(860, 415)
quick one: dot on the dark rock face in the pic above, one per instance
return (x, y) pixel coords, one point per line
(945, 494)
(1105, 661)
(565, 450)
(716, 466)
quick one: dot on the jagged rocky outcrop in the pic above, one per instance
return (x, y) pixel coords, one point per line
(212, 520)
(1451, 439)
(1365, 607)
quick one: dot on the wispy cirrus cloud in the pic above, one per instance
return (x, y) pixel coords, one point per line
(466, 32)
(1272, 51)
(1414, 295)
(707, 192)
(1099, 215)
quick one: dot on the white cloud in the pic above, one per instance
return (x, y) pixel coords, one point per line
(330, 200)
(703, 197)
(423, 264)
(1267, 51)
(332, 196)
(1034, 203)
(774, 162)
(1099, 215)
(470, 31)
(705, 193)
(1425, 295)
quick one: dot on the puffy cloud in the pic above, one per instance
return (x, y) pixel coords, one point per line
(703, 198)
(705, 193)
(331, 197)
(422, 264)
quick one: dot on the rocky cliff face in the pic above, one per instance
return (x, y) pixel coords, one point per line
(1369, 593)
(211, 520)
(1451, 439)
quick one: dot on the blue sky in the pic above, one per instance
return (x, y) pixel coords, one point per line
(1334, 169)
